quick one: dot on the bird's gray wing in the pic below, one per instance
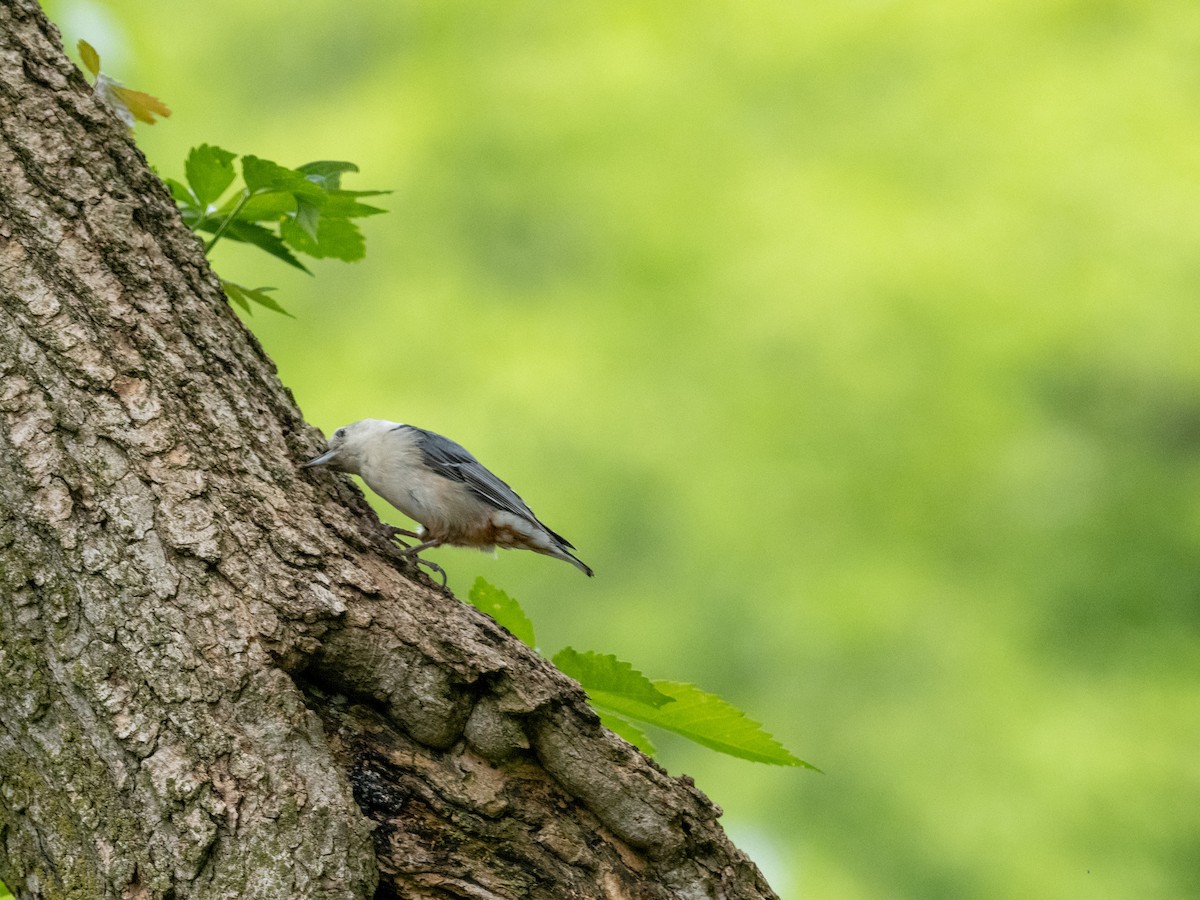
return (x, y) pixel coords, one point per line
(454, 461)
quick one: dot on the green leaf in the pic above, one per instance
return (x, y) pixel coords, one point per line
(627, 730)
(242, 296)
(308, 216)
(190, 209)
(91, 59)
(180, 192)
(270, 207)
(262, 175)
(209, 171)
(714, 723)
(361, 193)
(337, 238)
(249, 233)
(343, 204)
(504, 609)
(326, 172)
(610, 681)
(208, 223)
(237, 295)
(312, 213)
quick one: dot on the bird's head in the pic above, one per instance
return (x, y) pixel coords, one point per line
(346, 445)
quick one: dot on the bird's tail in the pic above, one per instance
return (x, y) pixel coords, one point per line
(560, 552)
(580, 565)
(560, 548)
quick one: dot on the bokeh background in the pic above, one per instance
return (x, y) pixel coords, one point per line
(854, 344)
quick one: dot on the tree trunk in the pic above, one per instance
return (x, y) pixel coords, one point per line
(218, 679)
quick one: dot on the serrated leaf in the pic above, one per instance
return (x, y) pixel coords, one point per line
(237, 295)
(181, 193)
(249, 233)
(308, 216)
(361, 193)
(310, 219)
(344, 204)
(209, 171)
(714, 723)
(262, 175)
(609, 680)
(270, 207)
(627, 730)
(337, 238)
(488, 598)
(142, 106)
(326, 172)
(190, 209)
(90, 57)
(240, 295)
(126, 103)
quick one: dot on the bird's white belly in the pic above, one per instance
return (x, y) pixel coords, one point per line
(413, 496)
(446, 508)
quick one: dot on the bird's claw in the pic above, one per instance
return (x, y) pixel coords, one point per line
(432, 566)
(411, 552)
(395, 534)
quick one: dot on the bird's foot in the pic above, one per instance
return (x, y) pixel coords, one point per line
(412, 553)
(396, 533)
(431, 566)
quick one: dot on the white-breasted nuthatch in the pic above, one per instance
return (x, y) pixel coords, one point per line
(436, 482)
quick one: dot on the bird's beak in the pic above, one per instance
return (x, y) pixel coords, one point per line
(320, 460)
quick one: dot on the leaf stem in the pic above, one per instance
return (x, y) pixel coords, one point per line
(225, 223)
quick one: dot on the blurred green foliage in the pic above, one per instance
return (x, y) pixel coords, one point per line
(853, 344)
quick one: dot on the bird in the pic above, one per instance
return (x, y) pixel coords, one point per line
(439, 484)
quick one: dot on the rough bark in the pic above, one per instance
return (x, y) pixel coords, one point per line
(217, 678)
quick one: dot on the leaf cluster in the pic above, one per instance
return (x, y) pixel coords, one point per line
(128, 105)
(624, 696)
(282, 211)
